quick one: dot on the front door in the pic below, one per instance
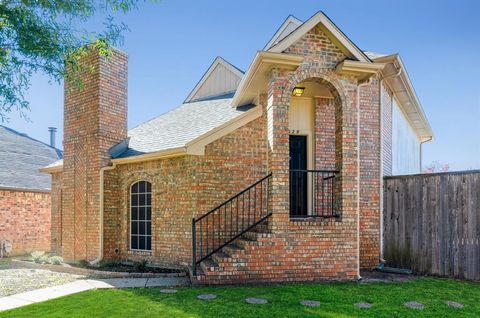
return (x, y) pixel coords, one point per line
(298, 175)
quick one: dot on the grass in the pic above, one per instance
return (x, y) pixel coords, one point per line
(336, 299)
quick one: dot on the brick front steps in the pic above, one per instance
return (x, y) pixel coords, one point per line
(240, 261)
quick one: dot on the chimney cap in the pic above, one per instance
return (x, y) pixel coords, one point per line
(52, 128)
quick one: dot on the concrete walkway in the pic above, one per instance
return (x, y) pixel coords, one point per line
(39, 295)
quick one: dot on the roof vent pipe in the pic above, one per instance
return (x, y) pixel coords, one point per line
(52, 131)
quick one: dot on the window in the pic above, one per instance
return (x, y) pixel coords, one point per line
(141, 216)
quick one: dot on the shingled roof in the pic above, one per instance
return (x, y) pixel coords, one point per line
(21, 157)
(179, 126)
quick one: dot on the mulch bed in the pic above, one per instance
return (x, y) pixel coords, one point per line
(117, 271)
(373, 276)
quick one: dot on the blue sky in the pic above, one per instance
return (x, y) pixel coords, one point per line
(172, 43)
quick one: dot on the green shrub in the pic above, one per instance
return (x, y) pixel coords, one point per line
(36, 255)
(55, 260)
(42, 259)
(83, 263)
(140, 266)
(109, 264)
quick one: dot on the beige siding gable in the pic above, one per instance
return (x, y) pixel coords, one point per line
(221, 78)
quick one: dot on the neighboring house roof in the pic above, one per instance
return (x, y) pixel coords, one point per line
(220, 78)
(180, 126)
(21, 157)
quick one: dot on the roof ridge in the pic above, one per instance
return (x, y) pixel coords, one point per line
(18, 133)
(269, 43)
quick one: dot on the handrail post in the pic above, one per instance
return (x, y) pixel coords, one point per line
(194, 247)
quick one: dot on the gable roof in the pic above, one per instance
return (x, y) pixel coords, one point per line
(258, 74)
(331, 30)
(287, 27)
(21, 157)
(220, 78)
(208, 114)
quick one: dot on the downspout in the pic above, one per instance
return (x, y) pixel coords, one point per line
(380, 94)
(358, 173)
(100, 225)
(382, 80)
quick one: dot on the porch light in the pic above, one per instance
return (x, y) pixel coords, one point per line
(298, 91)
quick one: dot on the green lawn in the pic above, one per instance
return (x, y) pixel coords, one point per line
(336, 299)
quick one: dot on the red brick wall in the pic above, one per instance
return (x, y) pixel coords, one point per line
(316, 249)
(173, 197)
(325, 134)
(95, 119)
(25, 220)
(370, 189)
(182, 188)
(188, 186)
(56, 217)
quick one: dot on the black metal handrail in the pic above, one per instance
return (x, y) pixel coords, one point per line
(312, 193)
(229, 220)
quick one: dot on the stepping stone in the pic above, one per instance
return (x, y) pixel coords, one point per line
(256, 301)
(454, 304)
(414, 305)
(206, 296)
(310, 303)
(363, 305)
(168, 291)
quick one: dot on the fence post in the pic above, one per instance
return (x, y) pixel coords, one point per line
(194, 247)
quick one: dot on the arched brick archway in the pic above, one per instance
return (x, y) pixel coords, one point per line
(343, 89)
(318, 75)
(342, 104)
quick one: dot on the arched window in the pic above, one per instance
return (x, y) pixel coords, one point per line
(141, 216)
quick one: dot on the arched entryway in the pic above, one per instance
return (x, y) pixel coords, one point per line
(336, 94)
(313, 106)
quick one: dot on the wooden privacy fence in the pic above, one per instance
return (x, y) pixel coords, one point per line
(431, 223)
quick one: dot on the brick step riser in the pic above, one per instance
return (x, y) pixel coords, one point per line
(260, 236)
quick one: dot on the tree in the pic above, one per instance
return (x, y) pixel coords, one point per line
(436, 166)
(44, 36)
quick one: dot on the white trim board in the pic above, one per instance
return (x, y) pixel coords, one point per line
(287, 27)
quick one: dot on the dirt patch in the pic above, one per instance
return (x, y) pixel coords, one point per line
(135, 268)
(373, 276)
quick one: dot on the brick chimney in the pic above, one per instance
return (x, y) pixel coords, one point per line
(95, 119)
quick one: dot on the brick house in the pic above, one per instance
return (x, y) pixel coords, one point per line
(270, 175)
(25, 202)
